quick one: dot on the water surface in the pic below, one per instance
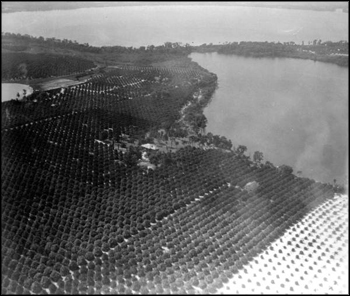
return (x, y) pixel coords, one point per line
(144, 25)
(294, 111)
(9, 91)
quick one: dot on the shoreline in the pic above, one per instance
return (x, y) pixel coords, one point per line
(326, 52)
(320, 175)
(7, 87)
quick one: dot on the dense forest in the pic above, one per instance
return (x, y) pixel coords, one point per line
(30, 66)
(18, 42)
(328, 51)
(317, 50)
(101, 56)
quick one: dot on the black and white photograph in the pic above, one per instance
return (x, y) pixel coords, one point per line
(167, 147)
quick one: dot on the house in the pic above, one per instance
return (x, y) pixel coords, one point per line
(251, 187)
(150, 146)
(145, 156)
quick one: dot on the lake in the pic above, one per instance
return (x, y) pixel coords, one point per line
(9, 91)
(294, 111)
(145, 25)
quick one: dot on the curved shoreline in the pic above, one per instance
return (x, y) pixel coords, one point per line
(327, 52)
(226, 112)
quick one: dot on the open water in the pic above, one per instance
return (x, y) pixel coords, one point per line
(142, 25)
(10, 90)
(294, 111)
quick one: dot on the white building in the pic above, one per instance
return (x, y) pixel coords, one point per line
(251, 187)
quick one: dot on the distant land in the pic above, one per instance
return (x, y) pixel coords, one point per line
(44, 6)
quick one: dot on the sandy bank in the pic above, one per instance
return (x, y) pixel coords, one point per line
(58, 83)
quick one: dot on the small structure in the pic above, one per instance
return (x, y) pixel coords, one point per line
(108, 142)
(145, 156)
(147, 165)
(150, 146)
(251, 187)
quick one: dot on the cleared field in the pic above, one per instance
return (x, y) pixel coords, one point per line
(58, 83)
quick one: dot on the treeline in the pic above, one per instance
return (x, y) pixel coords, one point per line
(24, 65)
(328, 51)
(18, 42)
(331, 52)
(167, 47)
(278, 48)
(12, 41)
(257, 49)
